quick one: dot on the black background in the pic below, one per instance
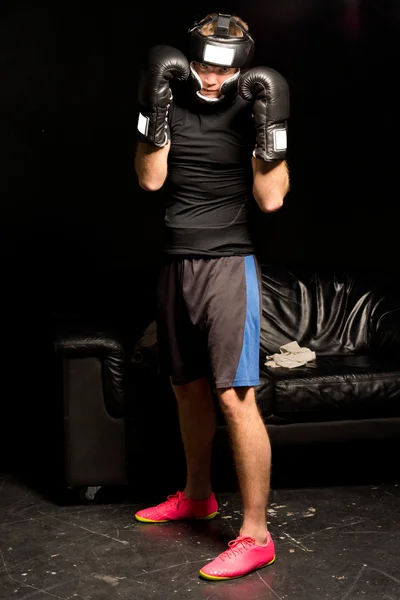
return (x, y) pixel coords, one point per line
(75, 226)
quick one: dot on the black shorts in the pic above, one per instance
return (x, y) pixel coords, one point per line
(208, 321)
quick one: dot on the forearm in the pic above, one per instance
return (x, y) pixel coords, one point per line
(270, 184)
(151, 166)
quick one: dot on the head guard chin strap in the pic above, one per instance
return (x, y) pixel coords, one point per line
(219, 49)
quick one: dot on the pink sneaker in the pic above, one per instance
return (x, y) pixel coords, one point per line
(177, 508)
(242, 557)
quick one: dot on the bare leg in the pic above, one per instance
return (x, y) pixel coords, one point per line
(197, 421)
(252, 454)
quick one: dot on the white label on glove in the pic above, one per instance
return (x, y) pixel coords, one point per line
(220, 56)
(143, 124)
(280, 139)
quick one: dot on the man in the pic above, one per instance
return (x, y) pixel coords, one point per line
(215, 132)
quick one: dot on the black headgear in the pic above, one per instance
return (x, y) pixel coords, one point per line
(220, 48)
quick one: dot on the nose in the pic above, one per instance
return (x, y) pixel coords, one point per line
(210, 79)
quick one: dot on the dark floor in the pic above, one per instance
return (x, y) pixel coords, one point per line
(338, 543)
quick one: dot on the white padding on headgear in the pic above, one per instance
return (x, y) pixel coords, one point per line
(216, 55)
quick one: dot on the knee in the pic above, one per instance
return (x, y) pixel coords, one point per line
(232, 401)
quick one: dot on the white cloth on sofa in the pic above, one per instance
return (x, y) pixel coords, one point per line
(291, 355)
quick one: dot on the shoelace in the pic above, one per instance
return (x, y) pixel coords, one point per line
(178, 497)
(237, 546)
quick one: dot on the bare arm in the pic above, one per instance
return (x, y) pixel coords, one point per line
(151, 166)
(270, 183)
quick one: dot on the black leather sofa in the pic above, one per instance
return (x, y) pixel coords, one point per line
(354, 384)
(119, 412)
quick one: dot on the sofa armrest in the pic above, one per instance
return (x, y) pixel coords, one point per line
(72, 339)
(386, 336)
(86, 341)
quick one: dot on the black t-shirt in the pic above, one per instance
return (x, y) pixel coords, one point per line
(209, 184)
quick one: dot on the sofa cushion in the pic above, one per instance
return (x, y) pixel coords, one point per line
(333, 387)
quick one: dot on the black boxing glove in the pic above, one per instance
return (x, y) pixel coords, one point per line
(270, 93)
(165, 63)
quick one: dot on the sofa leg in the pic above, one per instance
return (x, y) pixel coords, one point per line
(88, 494)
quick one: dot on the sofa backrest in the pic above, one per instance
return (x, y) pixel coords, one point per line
(331, 314)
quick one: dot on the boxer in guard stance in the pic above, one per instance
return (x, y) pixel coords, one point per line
(215, 130)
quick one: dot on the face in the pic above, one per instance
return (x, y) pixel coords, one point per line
(212, 78)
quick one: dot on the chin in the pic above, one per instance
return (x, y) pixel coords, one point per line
(209, 98)
(210, 94)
